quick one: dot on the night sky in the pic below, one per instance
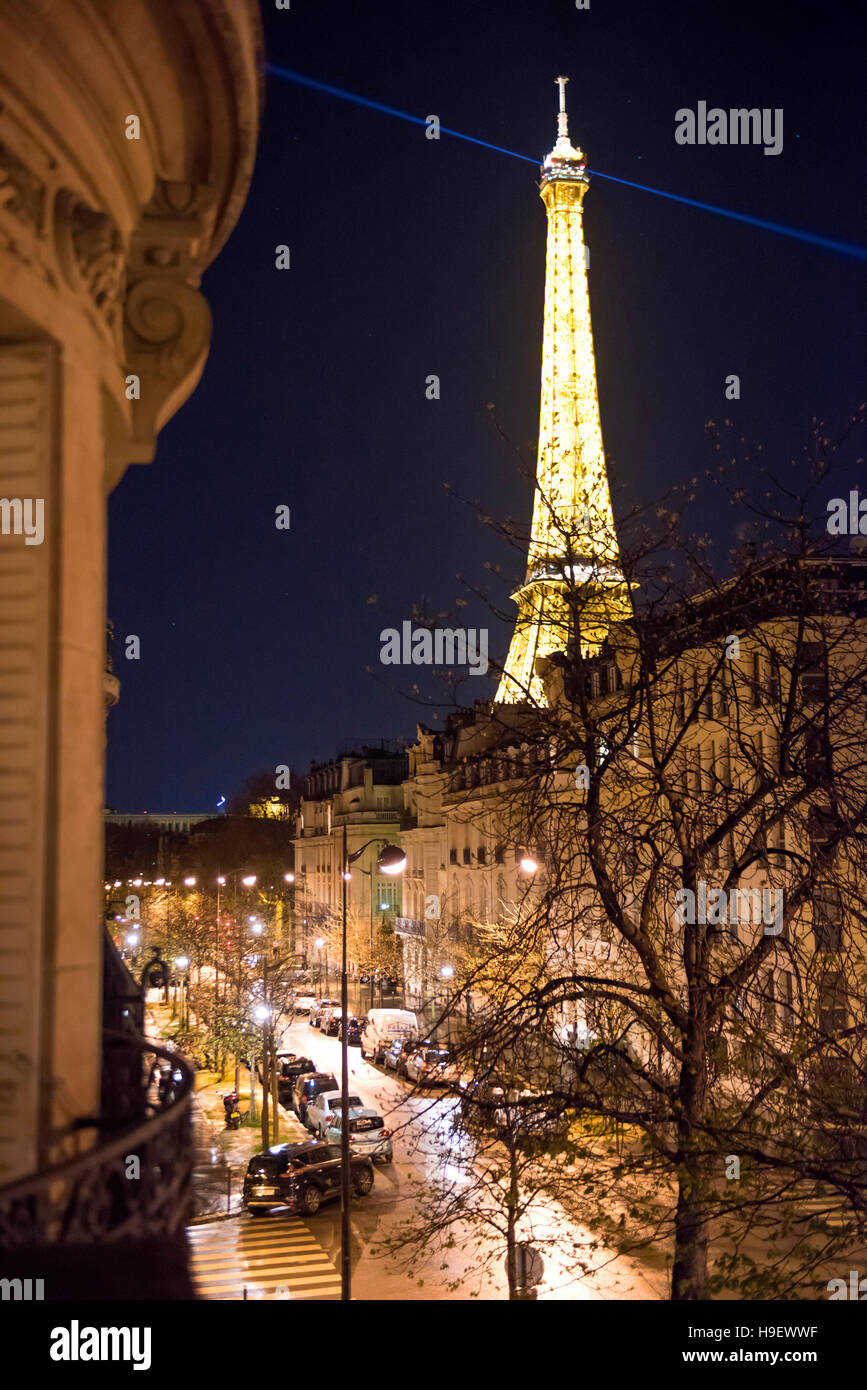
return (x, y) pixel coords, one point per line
(413, 256)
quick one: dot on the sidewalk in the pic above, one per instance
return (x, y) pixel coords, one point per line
(221, 1155)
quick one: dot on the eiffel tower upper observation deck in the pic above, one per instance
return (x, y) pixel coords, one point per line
(574, 587)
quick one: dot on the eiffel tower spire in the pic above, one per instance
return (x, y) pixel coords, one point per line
(573, 561)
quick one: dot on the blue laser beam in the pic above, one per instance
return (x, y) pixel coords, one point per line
(842, 248)
(386, 110)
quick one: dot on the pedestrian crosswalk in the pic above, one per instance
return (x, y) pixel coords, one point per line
(269, 1256)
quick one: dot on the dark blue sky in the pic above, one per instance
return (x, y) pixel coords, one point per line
(411, 257)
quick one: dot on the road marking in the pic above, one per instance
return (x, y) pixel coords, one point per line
(229, 1256)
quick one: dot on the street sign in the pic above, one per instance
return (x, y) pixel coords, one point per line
(528, 1265)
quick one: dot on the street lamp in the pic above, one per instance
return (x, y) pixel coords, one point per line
(390, 860)
(182, 963)
(191, 881)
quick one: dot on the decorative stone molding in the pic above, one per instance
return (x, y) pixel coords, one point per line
(90, 253)
(167, 332)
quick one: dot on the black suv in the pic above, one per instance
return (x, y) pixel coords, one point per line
(307, 1087)
(301, 1177)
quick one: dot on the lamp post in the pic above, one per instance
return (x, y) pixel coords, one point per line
(391, 860)
(182, 964)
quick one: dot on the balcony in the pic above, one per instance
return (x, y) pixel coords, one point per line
(99, 1225)
(107, 1220)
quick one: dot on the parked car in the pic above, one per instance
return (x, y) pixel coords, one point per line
(353, 1030)
(368, 1134)
(382, 1027)
(289, 1068)
(396, 1055)
(301, 1177)
(319, 1008)
(479, 1100)
(303, 1003)
(429, 1065)
(307, 1088)
(290, 1064)
(331, 1022)
(323, 1106)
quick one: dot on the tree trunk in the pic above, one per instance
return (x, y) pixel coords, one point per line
(689, 1272)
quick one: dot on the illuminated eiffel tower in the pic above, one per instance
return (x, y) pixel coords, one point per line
(573, 587)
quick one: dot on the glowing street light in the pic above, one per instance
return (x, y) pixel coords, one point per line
(527, 864)
(182, 962)
(220, 879)
(249, 880)
(289, 878)
(391, 860)
(191, 881)
(447, 971)
(319, 942)
(261, 1013)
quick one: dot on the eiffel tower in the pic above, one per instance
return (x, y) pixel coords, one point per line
(574, 589)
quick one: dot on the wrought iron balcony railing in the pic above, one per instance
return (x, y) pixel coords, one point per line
(132, 1186)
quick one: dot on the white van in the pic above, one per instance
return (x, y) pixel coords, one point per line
(381, 1029)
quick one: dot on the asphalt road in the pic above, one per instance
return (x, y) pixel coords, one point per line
(425, 1146)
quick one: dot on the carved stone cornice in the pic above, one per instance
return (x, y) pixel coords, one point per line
(167, 322)
(167, 333)
(90, 254)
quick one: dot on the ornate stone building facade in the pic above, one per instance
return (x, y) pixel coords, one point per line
(127, 139)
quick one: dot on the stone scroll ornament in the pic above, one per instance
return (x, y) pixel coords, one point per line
(167, 333)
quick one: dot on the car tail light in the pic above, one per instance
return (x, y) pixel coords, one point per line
(385, 1134)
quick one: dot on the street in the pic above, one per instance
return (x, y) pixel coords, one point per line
(424, 1144)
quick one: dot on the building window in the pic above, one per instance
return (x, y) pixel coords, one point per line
(481, 855)
(501, 898)
(833, 1013)
(453, 856)
(817, 757)
(822, 826)
(468, 857)
(813, 673)
(707, 703)
(500, 854)
(827, 917)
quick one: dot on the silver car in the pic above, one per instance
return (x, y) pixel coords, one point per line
(368, 1136)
